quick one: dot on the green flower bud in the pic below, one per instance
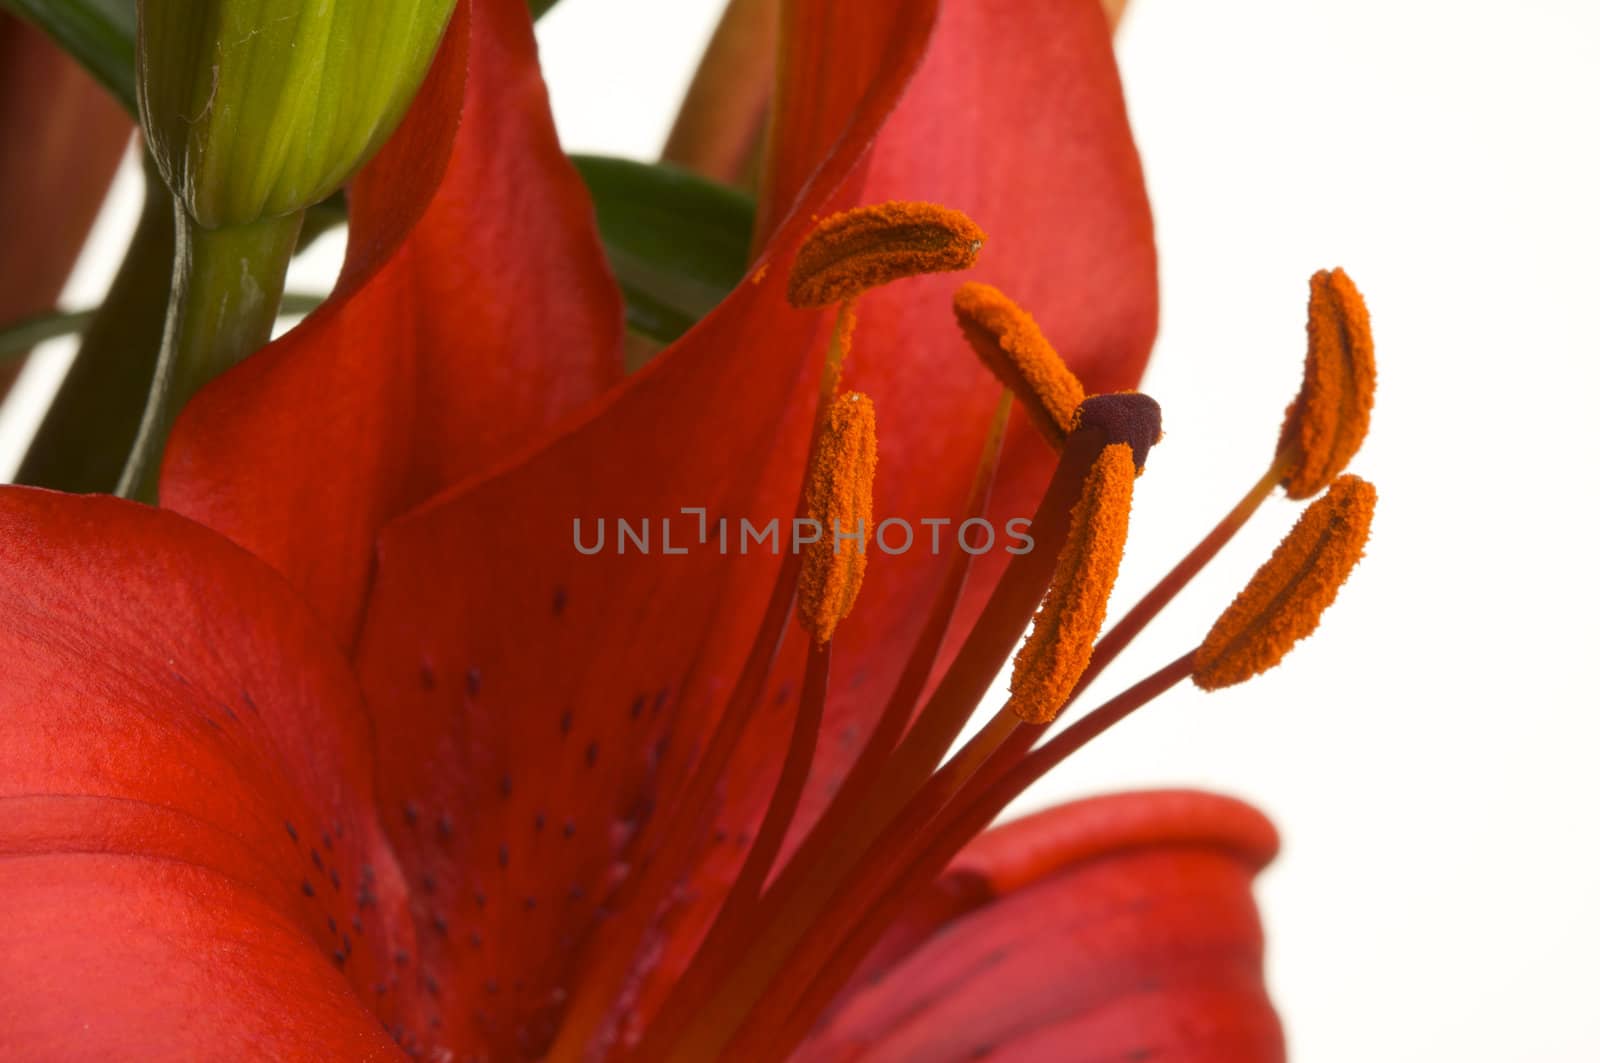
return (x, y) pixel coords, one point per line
(261, 108)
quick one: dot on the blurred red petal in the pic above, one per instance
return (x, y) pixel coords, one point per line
(64, 137)
(1116, 928)
(192, 867)
(475, 311)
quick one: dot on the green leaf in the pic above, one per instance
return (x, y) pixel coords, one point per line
(19, 338)
(98, 33)
(677, 242)
(539, 7)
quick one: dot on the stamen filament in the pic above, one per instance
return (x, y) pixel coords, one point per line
(788, 1012)
(1123, 633)
(844, 326)
(1057, 650)
(698, 982)
(794, 901)
(1114, 641)
(902, 703)
(754, 1000)
(807, 881)
(671, 837)
(1004, 619)
(1285, 599)
(785, 796)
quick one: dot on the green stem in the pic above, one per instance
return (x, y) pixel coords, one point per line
(19, 338)
(226, 284)
(84, 441)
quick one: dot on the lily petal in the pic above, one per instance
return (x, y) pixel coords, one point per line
(1019, 121)
(475, 311)
(563, 696)
(1113, 928)
(499, 674)
(192, 866)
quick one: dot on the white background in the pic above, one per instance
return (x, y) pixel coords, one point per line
(1430, 755)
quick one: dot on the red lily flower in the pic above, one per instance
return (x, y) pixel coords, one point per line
(400, 770)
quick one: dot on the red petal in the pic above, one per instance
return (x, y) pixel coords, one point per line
(1020, 122)
(530, 657)
(187, 828)
(452, 341)
(832, 58)
(127, 957)
(64, 138)
(523, 687)
(1120, 928)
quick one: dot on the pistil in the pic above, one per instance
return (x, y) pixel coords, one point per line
(902, 704)
(919, 859)
(835, 847)
(1282, 604)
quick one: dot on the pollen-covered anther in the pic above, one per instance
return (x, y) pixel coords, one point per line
(1286, 598)
(858, 249)
(1011, 345)
(1057, 649)
(1327, 422)
(839, 500)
